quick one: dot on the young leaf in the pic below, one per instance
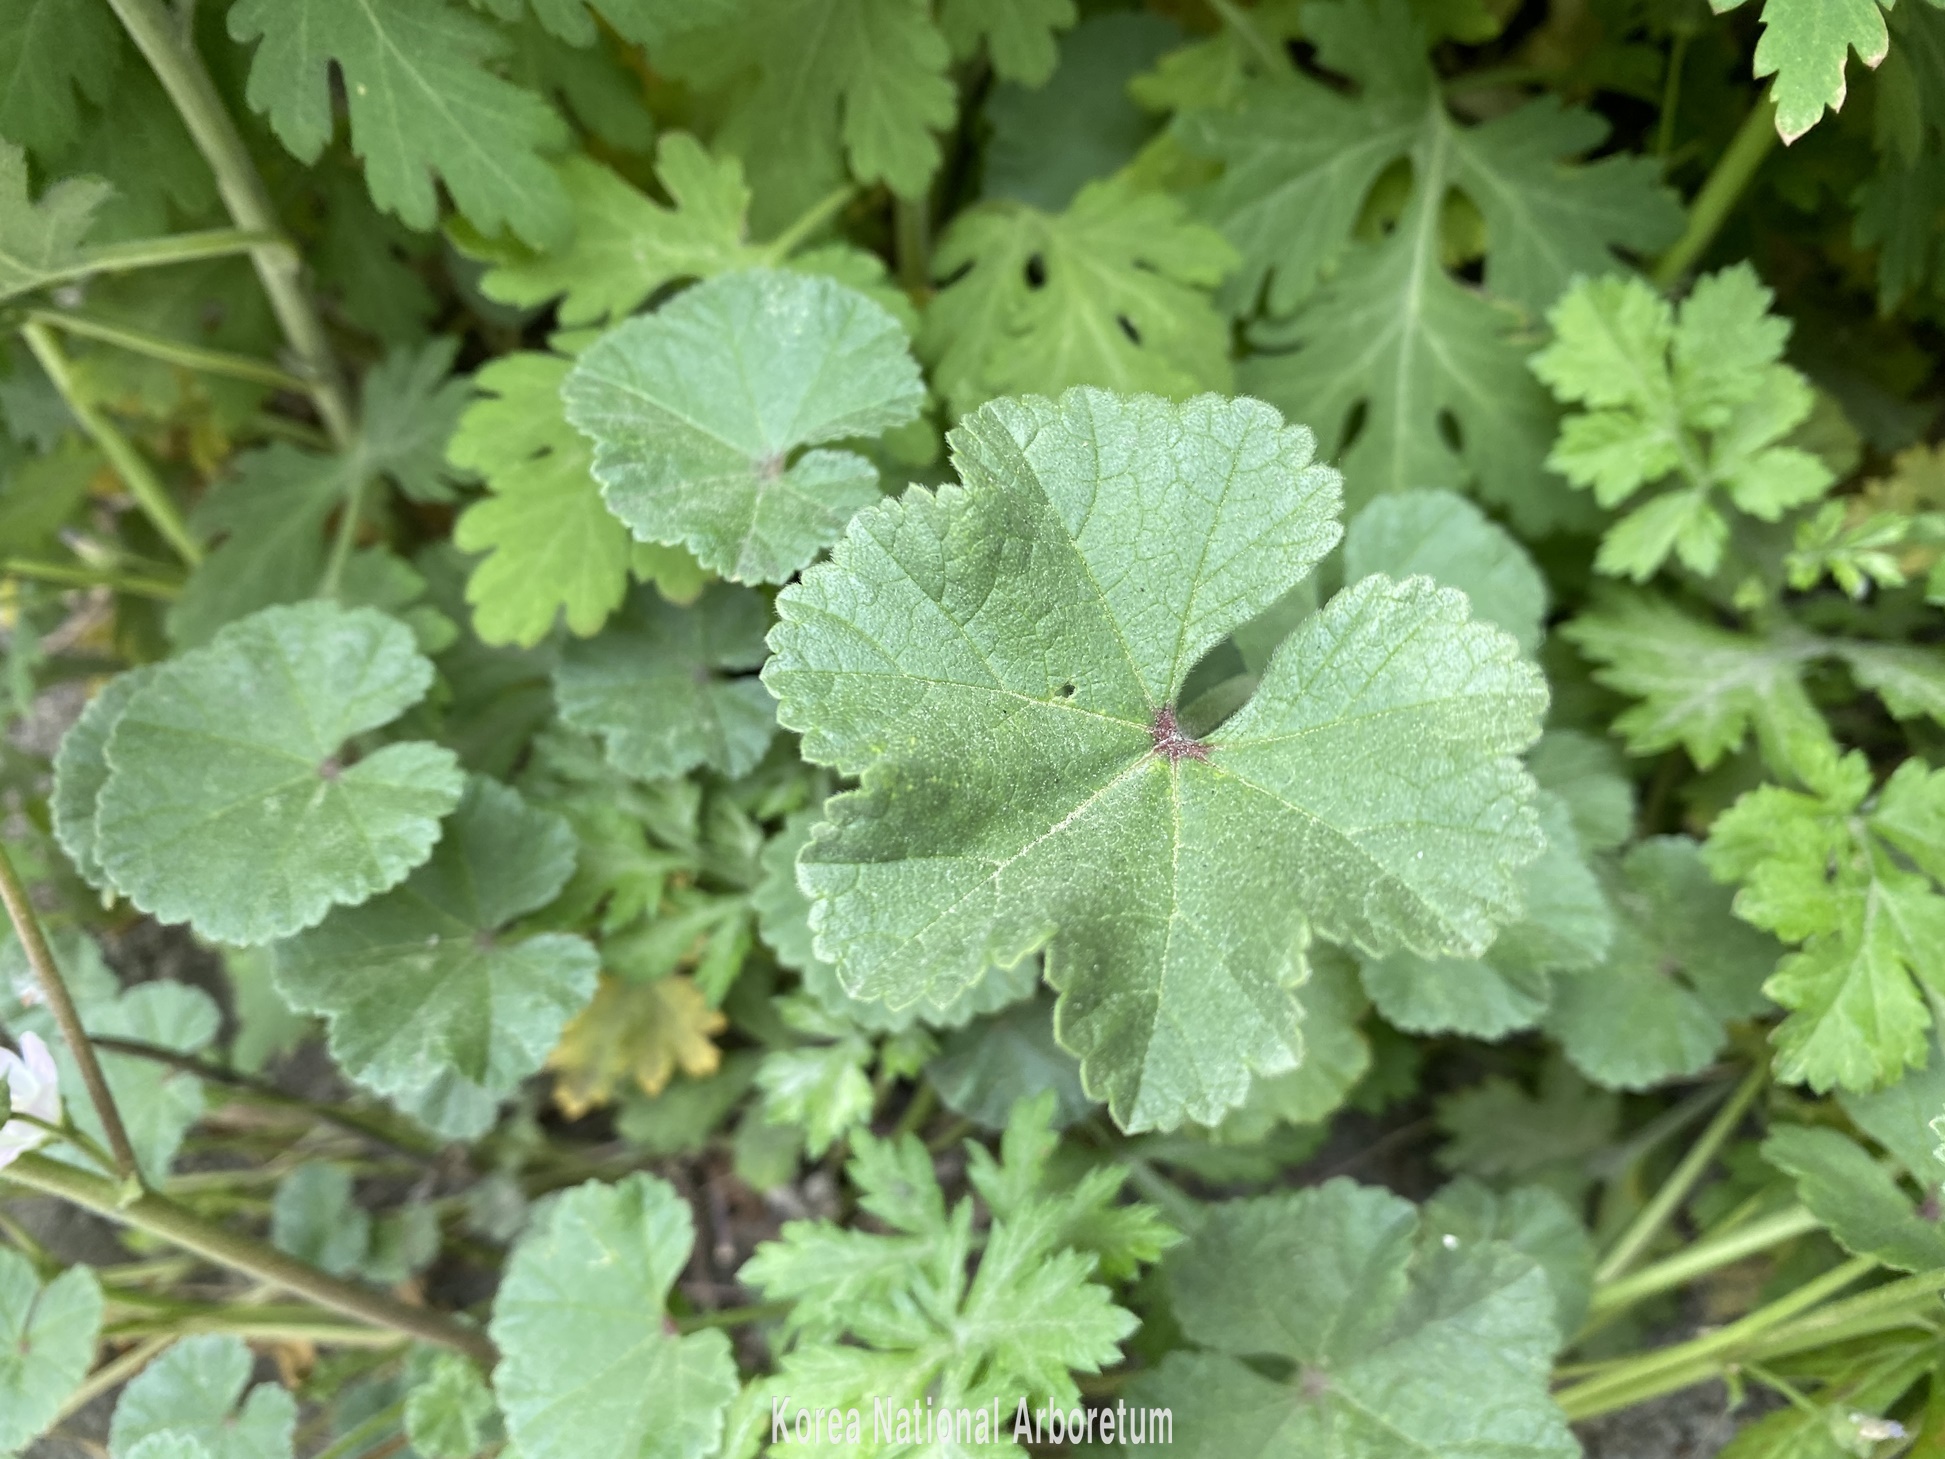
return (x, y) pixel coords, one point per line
(1395, 1344)
(589, 1363)
(47, 1341)
(1680, 968)
(315, 1217)
(228, 803)
(626, 246)
(1498, 1131)
(39, 239)
(425, 980)
(551, 544)
(1856, 1198)
(1113, 291)
(49, 51)
(1805, 46)
(194, 1390)
(447, 1414)
(983, 1070)
(695, 412)
(424, 104)
(639, 1033)
(1695, 398)
(1451, 541)
(823, 1089)
(1822, 871)
(656, 684)
(1100, 546)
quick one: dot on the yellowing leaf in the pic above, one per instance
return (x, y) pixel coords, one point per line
(639, 1031)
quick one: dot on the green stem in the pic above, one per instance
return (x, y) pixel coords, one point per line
(135, 472)
(164, 1219)
(70, 576)
(733, 1316)
(54, 988)
(1612, 1297)
(141, 253)
(398, 1134)
(814, 218)
(1635, 1380)
(917, 1110)
(354, 1439)
(1656, 1214)
(345, 539)
(1720, 193)
(1671, 91)
(171, 54)
(912, 243)
(171, 351)
(1233, 16)
(258, 1325)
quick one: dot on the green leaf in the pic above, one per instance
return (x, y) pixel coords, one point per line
(1822, 872)
(1680, 968)
(1564, 926)
(983, 1070)
(695, 412)
(589, 1363)
(315, 1218)
(1585, 772)
(195, 1391)
(424, 105)
(551, 545)
(809, 86)
(50, 50)
(626, 246)
(1451, 541)
(1696, 399)
(1381, 331)
(1019, 1327)
(1530, 1219)
(1019, 35)
(1498, 1131)
(1699, 685)
(1370, 781)
(81, 769)
(426, 981)
(1856, 1198)
(1899, 1116)
(1397, 1345)
(657, 684)
(41, 239)
(1336, 1054)
(1113, 291)
(1805, 46)
(823, 1089)
(47, 1341)
(446, 1415)
(228, 803)
(171, 1446)
(411, 401)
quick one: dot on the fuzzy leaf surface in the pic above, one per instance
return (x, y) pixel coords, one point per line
(196, 1389)
(669, 688)
(423, 981)
(589, 1364)
(1000, 661)
(226, 805)
(1401, 1346)
(47, 1341)
(696, 411)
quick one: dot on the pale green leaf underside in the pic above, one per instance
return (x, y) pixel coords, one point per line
(995, 660)
(418, 984)
(695, 412)
(193, 1390)
(669, 688)
(588, 1363)
(226, 805)
(47, 1341)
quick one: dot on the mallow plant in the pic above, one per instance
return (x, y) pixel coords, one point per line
(917, 727)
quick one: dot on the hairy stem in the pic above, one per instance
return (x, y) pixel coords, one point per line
(170, 351)
(806, 227)
(164, 1219)
(1659, 1211)
(1720, 193)
(134, 470)
(54, 988)
(71, 575)
(171, 54)
(912, 243)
